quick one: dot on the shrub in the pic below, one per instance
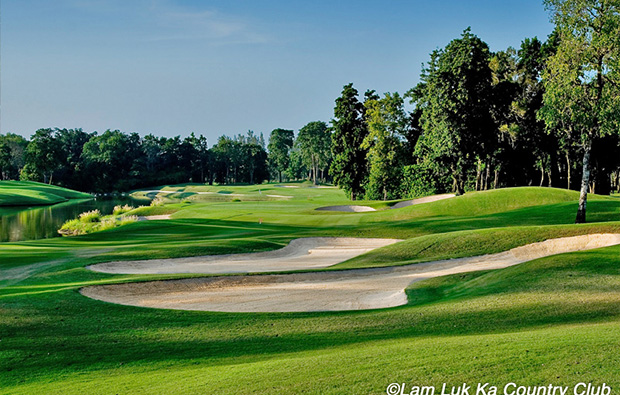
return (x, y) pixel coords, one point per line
(420, 180)
(91, 221)
(120, 210)
(158, 201)
(90, 216)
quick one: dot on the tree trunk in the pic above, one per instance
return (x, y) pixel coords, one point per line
(568, 170)
(550, 178)
(280, 176)
(486, 178)
(585, 181)
(542, 175)
(496, 180)
(460, 185)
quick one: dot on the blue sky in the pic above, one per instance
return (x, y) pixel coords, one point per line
(171, 67)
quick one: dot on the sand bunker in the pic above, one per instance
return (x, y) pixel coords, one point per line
(347, 209)
(153, 217)
(426, 199)
(363, 209)
(299, 254)
(323, 291)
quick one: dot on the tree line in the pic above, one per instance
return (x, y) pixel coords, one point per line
(545, 114)
(116, 161)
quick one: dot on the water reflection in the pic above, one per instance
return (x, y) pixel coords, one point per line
(40, 222)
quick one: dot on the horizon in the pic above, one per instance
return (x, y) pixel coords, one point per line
(171, 68)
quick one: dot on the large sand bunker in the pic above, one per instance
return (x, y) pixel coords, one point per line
(323, 291)
(299, 254)
(347, 209)
(426, 199)
(406, 203)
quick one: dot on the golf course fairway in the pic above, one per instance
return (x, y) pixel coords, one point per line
(554, 318)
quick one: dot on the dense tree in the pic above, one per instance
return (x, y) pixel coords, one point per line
(280, 145)
(454, 97)
(387, 126)
(200, 169)
(349, 167)
(71, 172)
(16, 144)
(582, 80)
(43, 156)
(255, 168)
(5, 161)
(110, 156)
(314, 144)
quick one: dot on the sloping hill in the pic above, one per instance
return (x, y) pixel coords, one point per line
(26, 193)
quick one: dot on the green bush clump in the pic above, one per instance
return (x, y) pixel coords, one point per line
(90, 216)
(120, 210)
(93, 221)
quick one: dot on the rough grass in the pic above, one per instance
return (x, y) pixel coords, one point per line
(553, 320)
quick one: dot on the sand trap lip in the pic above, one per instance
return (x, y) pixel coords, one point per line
(299, 254)
(323, 291)
(347, 209)
(426, 199)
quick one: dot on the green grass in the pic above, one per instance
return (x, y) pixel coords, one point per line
(552, 320)
(27, 193)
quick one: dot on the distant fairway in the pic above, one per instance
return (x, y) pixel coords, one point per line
(550, 320)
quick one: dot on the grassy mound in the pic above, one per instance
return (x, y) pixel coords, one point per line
(26, 193)
(468, 243)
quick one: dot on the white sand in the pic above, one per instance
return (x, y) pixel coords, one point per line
(153, 217)
(323, 291)
(426, 199)
(279, 196)
(406, 203)
(299, 254)
(347, 209)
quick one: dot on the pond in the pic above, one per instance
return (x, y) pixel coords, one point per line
(41, 222)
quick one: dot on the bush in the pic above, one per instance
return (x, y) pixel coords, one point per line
(92, 221)
(158, 201)
(120, 210)
(420, 180)
(90, 216)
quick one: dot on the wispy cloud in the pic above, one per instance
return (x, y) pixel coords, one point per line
(179, 23)
(165, 20)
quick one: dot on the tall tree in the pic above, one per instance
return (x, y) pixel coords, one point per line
(5, 161)
(17, 146)
(71, 173)
(43, 156)
(314, 144)
(280, 144)
(349, 168)
(387, 126)
(454, 95)
(109, 158)
(582, 79)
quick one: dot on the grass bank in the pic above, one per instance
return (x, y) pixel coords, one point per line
(27, 193)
